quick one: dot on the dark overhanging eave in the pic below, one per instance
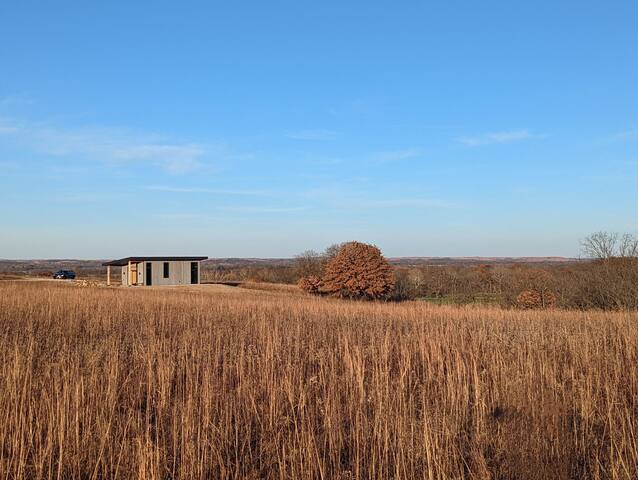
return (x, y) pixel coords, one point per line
(122, 262)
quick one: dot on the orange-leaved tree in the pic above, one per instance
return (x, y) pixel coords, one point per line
(358, 271)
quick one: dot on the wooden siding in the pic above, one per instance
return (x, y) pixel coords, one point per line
(179, 273)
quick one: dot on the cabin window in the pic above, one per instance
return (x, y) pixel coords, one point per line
(166, 271)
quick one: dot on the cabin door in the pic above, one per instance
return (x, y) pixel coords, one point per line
(149, 273)
(194, 273)
(133, 278)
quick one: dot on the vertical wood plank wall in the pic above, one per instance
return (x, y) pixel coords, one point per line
(179, 273)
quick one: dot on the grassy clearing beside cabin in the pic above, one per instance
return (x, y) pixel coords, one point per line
(235, 383)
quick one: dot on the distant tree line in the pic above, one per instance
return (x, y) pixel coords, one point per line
(605, 278)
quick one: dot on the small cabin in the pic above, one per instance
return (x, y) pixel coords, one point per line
(157, 270)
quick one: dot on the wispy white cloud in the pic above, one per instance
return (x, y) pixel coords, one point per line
(177, 216)
(112, 145)
(325, 161)
(7, 127)
(216, 191)
(315, 135)
(357, 107)
(339, 197)
(498, 137)
(176, 158)
(380, 157)
(93, 197)
(16, 99)
(405, 203)
(398, 155)
(631, 134)
(263, 209)
(221, 211)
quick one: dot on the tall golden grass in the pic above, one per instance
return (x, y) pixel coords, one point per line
(167, 384)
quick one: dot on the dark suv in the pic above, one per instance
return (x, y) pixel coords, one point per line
(64, 275)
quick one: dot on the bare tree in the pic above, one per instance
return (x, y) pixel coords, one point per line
(331, 252)
(308, 263)
(600, 245)
(628, 246)
(606, 245)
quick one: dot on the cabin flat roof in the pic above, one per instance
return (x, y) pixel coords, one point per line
(124, 261)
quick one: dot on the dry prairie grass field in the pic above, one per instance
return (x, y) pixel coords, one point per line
(233, 383)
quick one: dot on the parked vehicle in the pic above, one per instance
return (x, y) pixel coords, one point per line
(64, 275)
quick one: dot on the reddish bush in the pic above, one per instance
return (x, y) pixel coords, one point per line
(533, 298)
(310, 284)
(358, 271)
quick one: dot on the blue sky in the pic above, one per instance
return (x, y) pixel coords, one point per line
(262, 129)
